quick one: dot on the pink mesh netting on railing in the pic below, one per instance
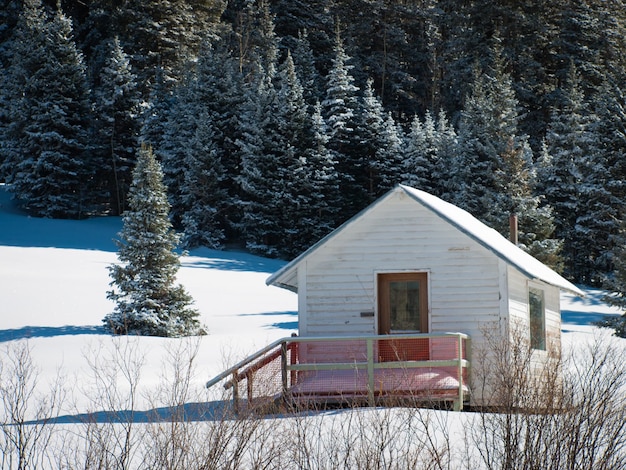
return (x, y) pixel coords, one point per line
(343, 370)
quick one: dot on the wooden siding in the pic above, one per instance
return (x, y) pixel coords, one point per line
(397, 236)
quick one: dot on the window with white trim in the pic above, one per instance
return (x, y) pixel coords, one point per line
(537, 310)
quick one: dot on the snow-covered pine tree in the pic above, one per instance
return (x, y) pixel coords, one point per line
(51, 166)
(615, 283)
(20, 60)
(260, 148)
(306, 172)
(322, 182)
(380, 146)
(218, 92)
(9, 130)
(494, 170)
(155, 114)
(117, 115)
(180, 114)
(429, 149)
(608, 171)
(417, 162)
(536, 225)
(447, 145)
(163, 36)
(274, 136)
(295, 127)
(147, 300)
(203, 192)
(167, 127)
(389, 156)
(287, 174)
(304, 60)
(487, 124)
(340, 110)
(598, 221)
(568, 148)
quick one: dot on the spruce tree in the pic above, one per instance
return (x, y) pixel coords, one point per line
(610, 173)
(322, 182)
(429, 149)
(51, 166)
(176, 117)
(377, 138)
(143, 285)
(615, 283)
(203, 191)
(117, 114)
(260, 182)
(307, 72)
(216, 94)
(572, 175)
(307, 173)
(340, 110)
(494, 171)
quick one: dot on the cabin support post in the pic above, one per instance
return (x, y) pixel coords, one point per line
(370, 371)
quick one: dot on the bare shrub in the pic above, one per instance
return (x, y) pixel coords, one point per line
(400, 437)
(593, 426)
(390, 437)
(26, 414)
(111, 437)
(546, 412)
(170, 441)
(202, 437)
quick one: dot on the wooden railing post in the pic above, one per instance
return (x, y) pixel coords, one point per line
(459, 405)
(293, 348)
(235, 380)
(250, 386)
(370, 371)
(283, 368)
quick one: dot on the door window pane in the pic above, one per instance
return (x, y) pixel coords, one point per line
(404, 305)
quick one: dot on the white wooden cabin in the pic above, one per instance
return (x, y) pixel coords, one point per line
(412, 263)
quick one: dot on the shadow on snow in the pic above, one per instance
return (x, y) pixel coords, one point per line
(216, 411)
(49, 331)
(206, 411)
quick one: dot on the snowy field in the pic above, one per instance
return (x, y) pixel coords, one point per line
(54, 278)
(53, 283)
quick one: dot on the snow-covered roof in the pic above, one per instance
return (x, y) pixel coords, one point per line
(463, 221)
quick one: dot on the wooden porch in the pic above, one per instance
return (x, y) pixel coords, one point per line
(345, 370)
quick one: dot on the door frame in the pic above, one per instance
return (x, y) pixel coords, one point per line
(382, 296)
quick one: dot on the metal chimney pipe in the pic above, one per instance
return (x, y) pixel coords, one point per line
(513, 229)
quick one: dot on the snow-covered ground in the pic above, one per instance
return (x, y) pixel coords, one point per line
(54, 278)
(53, 284)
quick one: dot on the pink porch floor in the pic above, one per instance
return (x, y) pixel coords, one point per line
(420, 383)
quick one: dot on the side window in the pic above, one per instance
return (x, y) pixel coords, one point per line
(537, 308)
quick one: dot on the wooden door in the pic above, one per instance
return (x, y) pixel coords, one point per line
(402, 308)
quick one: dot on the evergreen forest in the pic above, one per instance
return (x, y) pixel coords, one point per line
(275, 121)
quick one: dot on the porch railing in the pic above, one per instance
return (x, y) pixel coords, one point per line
(433, 366)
